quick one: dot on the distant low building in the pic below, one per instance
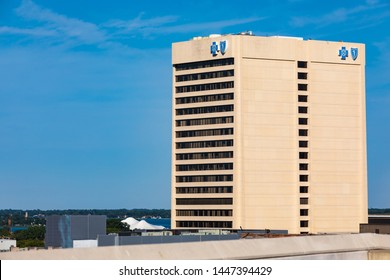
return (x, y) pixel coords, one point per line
(376, 224)
(62, 231)
(6, 244)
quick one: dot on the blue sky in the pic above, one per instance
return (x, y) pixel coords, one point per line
(85, 92)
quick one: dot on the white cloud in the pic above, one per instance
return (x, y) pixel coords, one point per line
(139, 23)
(68, 28)
(66, 31)
(206, 26)
(39, 32)
(166, 25)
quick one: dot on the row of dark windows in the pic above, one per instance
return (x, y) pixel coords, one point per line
(204, 189)
(204, 144)
(303, 144)
(204, 132)
(204, 224)
(204, 178)
(204, 64)
(190, 156)
(203, 87)
(204, 76)
(204, 110)
(204, 201)
(205, 98)
(206, 121)
(205, 213)
(201, 167)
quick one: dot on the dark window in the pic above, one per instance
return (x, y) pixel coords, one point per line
(201, 167)
(303, 178)
(204, 178)
(302, 121)
(303, 144)
(205, 110)
(204, 64)
(217, 189)
(302, 64)
(302, 76)
(302, 98)
(204, 76)
(303, 166)
(204, 201)
(203, 87)
(302, 110)
(302, 87)
(304, 200)
(304, 212)
(205, 98)
(304, 223)
(190, 156)
(303, 155)
(206, 121)
(303, 189)
(204, 144)
(205, 132)
(204, 224)
(303, 132)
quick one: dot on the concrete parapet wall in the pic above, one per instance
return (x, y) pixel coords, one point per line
(343, 246)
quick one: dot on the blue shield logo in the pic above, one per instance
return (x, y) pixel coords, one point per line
(223, 46)
(354, 53)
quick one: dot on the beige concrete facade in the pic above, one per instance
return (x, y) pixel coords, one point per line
(269, 133)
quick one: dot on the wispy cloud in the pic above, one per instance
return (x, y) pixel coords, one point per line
(168, 25)
(337, 16)
(69, 32)
(139, 23)
(38, 32)
(206, 26)
(68, 28)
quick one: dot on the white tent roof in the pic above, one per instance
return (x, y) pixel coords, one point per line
(130, 221)
(145, 225)
(135, 224)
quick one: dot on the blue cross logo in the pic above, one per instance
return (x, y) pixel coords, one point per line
(214, 48)
(343, 52)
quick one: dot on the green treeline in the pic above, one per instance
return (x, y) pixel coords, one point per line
(18, 217)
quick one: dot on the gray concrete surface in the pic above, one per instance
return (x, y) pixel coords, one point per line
(343, 246)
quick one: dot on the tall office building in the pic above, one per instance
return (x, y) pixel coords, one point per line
(269, 133)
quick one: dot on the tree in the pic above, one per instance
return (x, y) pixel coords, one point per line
(115, 226)
(31, 233)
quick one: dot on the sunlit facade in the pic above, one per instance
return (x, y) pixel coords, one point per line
(269, 133)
